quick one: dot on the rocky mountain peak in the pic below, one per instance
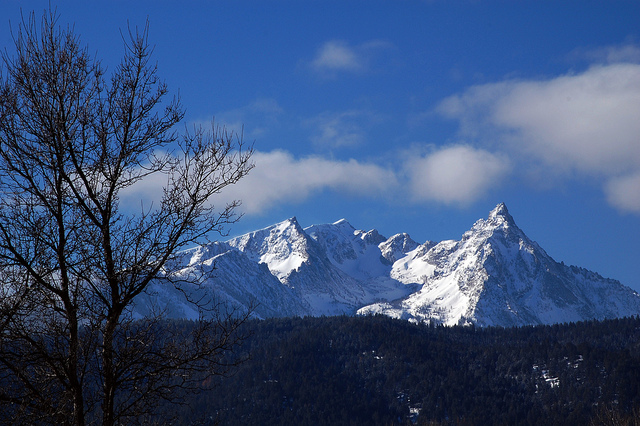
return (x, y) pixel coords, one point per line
(499, 224)
(501, 214)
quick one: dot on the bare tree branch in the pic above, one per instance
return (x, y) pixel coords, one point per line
(73, 260)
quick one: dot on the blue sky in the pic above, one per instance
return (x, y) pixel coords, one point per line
(411, 116)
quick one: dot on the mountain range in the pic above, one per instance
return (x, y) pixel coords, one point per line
(493, 276)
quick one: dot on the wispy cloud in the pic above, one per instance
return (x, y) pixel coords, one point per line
(340, 129)
(609, 54)
(254, 119)
(585, 124)
(339, 56)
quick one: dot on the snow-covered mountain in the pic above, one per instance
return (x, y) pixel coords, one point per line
(332, 269)
(495, 275)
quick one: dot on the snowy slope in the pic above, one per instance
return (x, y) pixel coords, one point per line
(282, 247)
(361, 256)
(223, 274)
(494, 275)
(302, 265)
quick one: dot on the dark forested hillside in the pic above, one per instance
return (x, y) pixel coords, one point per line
(377, 370)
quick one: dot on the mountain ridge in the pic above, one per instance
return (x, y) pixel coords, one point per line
(493, 276)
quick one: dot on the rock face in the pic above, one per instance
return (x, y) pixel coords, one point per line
(494, 275)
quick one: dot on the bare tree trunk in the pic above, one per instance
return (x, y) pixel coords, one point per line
(108, 408)
(78, 395)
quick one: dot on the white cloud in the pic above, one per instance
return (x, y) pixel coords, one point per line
(585, 124)
(339, 56)
(278, 177)
(588, 122)
(144, 194)
(624, 192)
(455, 175)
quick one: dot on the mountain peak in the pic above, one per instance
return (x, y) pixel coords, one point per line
(293, 220)
(345, 226)
(499, 224)
(288, 225)
(501, 212)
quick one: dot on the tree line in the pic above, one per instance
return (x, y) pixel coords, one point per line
(378, 370)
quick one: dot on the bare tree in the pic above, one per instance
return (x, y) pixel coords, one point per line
(72, 259)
